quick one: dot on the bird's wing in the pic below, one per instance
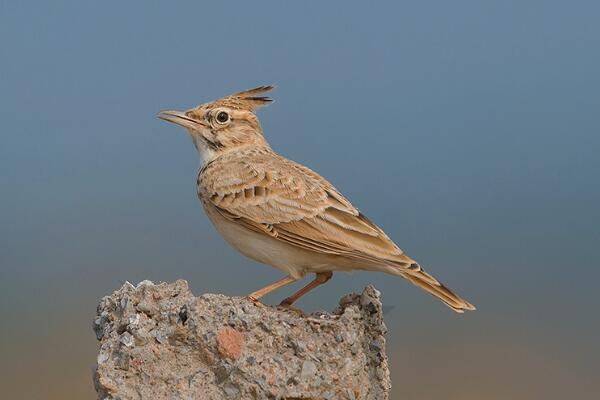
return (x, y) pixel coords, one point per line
(291, 203)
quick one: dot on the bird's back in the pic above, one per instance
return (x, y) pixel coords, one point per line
(270, 193)
(291, 211)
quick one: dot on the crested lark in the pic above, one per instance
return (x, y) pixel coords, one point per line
(281, 213)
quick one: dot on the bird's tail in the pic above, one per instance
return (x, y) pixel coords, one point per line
(415, 274)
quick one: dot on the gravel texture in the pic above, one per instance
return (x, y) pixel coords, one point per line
(158, 341)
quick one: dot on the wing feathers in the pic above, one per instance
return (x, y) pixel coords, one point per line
(271, 195)
(300, 206)
(348, 221)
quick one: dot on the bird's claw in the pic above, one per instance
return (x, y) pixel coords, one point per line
(289, 307)
(285, 303)
(255, 300)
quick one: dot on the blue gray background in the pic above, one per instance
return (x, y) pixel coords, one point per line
(468, 130)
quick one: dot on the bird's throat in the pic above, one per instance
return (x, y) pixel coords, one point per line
(207, 150)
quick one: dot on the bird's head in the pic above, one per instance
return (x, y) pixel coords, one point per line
(225, 124)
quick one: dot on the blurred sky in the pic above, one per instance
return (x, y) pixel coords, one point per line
(468, 130)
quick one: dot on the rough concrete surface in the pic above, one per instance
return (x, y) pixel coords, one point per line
(158, 341)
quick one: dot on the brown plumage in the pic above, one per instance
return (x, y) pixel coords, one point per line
(248, 100)
(282, 213)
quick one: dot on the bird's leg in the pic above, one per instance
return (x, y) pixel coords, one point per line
(255, 296)
(320, 279)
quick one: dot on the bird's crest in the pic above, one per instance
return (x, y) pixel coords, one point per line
(249, 100)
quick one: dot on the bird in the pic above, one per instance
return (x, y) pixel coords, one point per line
(281, 213)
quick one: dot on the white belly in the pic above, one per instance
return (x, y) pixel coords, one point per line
(267, 250)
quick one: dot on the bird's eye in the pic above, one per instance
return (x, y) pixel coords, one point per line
(222, 117)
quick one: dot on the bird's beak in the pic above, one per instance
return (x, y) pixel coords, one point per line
(180, 118)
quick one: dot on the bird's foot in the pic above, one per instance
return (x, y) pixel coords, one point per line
(287, 302)
(255, 300)
(289, 307)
